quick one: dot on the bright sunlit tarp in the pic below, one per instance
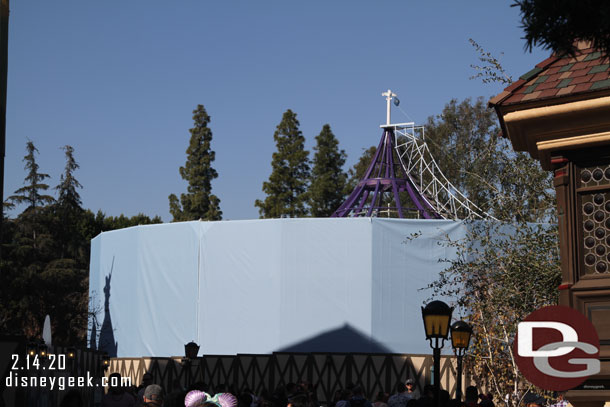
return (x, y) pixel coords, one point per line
(259, 286)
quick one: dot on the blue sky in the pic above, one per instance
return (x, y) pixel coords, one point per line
(118, 81)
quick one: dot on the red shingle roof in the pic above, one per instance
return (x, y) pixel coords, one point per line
(559, 76)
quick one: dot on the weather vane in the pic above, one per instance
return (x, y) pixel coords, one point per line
(388, 97)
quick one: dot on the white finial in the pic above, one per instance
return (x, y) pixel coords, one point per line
(388, 97)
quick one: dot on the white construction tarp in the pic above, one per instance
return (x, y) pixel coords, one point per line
(260, 286)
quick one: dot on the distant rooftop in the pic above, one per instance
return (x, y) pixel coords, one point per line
(559, 76)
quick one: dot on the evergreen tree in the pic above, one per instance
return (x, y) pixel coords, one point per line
(67, 212)
(199, 202)
(68, 195)
(32, 236)
(556, 25)
(287, 185)
(45, 255)
(32, 193)
(326, 191)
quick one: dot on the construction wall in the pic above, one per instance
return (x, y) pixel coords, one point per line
(327, 372)
(262, 286)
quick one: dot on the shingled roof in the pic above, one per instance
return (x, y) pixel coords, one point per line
(559, 76)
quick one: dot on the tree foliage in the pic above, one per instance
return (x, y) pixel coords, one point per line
(356, 173)
(198, 202)
(328, 180)
(68, 184)
(287, 185)
(464, 140)
(557, 24)
(502, 273)
(32, 194)
(67, 210)
(491, 69)
(45, 256)
(503, 270)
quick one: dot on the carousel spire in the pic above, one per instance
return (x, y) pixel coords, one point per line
(379, 192)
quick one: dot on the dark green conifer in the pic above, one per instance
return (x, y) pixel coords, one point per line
(67, 188)
(32, 193)
(326, 191)
(67, 214)
(199, 202)
(287, 185)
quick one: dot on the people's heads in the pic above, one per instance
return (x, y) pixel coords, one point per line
(114, 383)
(337, 395)
(346, 394)
(244, 399)
(533, 400)
(428, 391)
(147, 379)
(382, 396)
(72, 399)
(487, 401)
(221, 388)
(471, 394)
(291, 388)
(410, 385)
(305, 386)
(197, 398)
(154, 395)
(445, 397)
(400, 387)
(299, 400)
(201, 386)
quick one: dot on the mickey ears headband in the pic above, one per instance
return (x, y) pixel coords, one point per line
(197, 398)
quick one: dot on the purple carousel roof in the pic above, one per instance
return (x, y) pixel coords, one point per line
(378, 192)
(403, 172)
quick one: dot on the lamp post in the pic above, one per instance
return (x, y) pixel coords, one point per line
(32, 349)
(42, 351)
(460, 339)
(105, 361)
(71, 355)
(191, 350)
(437, 316)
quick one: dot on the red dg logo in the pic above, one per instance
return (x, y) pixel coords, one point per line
(556, 348)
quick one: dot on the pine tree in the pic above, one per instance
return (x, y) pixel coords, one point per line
(557, 25)
(287, 185)
(326, 191)
(199, 202)
(31, 193)
(68, 195)
(67, 213)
